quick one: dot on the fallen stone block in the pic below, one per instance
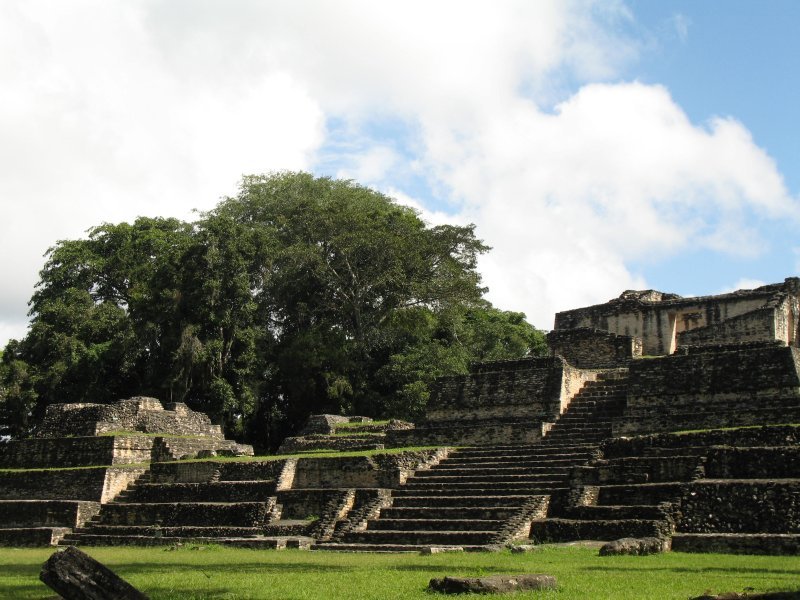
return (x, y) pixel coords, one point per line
(524, 548)
(441, 549)
(635, 546)
(494, 584)
(75, 575)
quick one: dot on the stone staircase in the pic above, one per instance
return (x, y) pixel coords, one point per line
(220, 508)
(483, 496)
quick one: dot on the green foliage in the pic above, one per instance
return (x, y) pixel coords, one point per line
(299, 295)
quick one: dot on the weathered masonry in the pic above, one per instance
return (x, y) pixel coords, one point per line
(654, 415)
(664, 322)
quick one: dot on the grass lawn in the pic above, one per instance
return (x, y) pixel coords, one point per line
(214, 572)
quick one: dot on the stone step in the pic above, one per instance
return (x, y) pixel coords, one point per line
(440, 479)
(449, 512)
(180, 531)
(498, 466)
(738, 543)
(561, 470)
(245, 514)
(570, 530)
(431, 538)
(459, 500)
(218, 491)
(498, 487)
(644, 493)
(537, 451)
(384, 524)
(614, 513)
(482, 491)
(255, 543)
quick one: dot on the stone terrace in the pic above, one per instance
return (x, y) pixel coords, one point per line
(52, 485)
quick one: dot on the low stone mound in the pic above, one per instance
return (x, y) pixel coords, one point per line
(493, 584)
(340, 433)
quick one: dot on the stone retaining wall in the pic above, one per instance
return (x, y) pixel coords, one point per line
(76, 452)
(100, 484)
(380, 471)
(741, 506)
(46, 513)
(712, 389)
(594, 349)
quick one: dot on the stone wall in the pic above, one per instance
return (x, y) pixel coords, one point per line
(747, 437)
(711, 389)
(660, 319)
(48, 513)
(594, 349)
(379, 471)
(754, 326)
(99, 484)
(519, 389)
(76, 452)
(203, 471)
(142, 414)
(749, 506)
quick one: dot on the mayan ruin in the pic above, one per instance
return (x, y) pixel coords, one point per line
(655, 416)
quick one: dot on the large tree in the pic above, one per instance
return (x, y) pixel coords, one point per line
(299, 294)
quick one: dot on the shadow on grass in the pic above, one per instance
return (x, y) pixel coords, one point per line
(138, 567)
(20, 570)
(450, 570)
(736, 570)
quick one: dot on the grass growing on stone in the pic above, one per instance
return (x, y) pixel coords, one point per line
(736, 428)
(312, 454)
(339, 426)
(229, 573)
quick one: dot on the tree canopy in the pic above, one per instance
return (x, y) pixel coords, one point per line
(298, 295)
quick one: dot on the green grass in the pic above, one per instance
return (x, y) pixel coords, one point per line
(312, 454)
(738, 427)
(223, 573)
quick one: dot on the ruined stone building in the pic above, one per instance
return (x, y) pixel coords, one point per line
(653, 415)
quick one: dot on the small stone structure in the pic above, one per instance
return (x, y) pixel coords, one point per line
(336, 432)
(58, 480)
(137, 414)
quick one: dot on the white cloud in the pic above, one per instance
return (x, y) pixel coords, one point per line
(744, 283)
(99, 124)
(616, 174)
(117, 108)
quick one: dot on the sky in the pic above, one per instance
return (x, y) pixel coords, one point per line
(597, 146)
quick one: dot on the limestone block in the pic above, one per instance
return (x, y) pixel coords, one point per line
(635, 546)
(494, 584)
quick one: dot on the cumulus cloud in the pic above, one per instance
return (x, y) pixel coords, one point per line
(512, 116)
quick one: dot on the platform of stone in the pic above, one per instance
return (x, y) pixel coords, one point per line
(481, 497)
(50, 486)
(339, 433)
(735, 490)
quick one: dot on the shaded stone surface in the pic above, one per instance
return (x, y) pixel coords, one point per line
(635, 546)
(77, 576)
(494, 584)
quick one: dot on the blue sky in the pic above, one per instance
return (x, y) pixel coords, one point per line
(597, 146)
